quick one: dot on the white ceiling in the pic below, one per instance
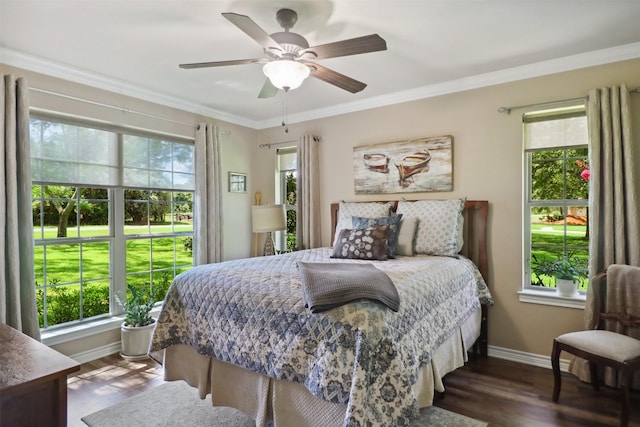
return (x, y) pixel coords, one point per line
(434, 47)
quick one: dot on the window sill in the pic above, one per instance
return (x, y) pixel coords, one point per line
(85, 329)
(550, 298)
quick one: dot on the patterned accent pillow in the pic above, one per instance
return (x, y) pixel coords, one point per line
(362, 243)
(407, 236)
(347, 210)
(392, 221)
(437, 232)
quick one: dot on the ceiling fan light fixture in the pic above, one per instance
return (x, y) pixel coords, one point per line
(286, 74)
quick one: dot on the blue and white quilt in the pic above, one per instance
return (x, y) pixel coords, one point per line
(250, 312)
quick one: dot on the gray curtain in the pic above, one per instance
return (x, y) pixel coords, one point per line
(17, 291)
(207, 244)
(308, 220)
(614, 211)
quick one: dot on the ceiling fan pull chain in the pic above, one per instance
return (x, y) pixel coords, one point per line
(284, 113)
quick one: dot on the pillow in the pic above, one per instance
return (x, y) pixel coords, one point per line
(406, 236)
(437, 232)
(392, 221)
(346, 210)
(362, 243)
(460, 239)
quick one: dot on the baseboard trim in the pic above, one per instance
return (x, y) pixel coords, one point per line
(97, 353)
(526, 358)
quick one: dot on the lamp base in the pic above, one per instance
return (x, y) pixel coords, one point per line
(269, 248)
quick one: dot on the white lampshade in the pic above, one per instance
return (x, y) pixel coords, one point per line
(267, 218)
(285, 73)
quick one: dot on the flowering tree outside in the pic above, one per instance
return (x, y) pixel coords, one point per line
(559, 213)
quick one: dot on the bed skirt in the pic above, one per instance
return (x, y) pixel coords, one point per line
(286, 403)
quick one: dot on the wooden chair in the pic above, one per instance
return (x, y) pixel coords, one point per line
(602, 348)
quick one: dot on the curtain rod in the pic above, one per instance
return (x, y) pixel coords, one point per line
(508, 110)
(269, 145)
(275, 144)
(114, 107)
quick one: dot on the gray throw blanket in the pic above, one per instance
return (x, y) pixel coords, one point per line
(623, 296)
(329, 285)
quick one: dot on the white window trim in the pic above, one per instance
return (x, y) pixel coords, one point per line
(85, 329)
(550, 298)
(527, 294)
(65, 332)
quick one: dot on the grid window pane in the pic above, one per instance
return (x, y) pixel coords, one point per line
(156, 163)
(95, 260)
(557, 201)
(163, 253)
(71, 154)
(63, 263)
(138, 255)
(79, 252)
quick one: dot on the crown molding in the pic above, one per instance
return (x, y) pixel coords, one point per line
(53, 69)
(538, 69)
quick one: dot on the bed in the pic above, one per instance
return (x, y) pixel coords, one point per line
(239, 330)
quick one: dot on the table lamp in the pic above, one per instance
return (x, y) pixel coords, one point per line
(265, 219)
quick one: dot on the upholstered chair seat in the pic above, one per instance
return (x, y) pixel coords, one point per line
(610, 343)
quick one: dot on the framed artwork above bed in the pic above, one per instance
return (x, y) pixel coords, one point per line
(409, 166)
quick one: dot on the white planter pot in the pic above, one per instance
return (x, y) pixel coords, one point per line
(566, 287)
(136, 341)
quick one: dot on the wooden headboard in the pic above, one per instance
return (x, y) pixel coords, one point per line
(475, 214)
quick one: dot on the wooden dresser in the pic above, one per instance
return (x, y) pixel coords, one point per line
(33, 381)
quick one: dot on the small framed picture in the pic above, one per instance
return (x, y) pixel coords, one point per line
(237, 182)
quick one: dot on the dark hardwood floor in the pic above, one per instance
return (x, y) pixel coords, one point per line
(500, 392)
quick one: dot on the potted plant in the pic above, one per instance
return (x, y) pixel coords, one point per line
(138, 325)
(567, 270)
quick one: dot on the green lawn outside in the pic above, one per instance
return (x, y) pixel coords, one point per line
(547, 241)
(63, 264)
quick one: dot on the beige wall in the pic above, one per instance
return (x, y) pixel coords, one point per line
(487, 166)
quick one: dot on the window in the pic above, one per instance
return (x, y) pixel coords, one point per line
(287, 195)
(556, 200)
(111, 209)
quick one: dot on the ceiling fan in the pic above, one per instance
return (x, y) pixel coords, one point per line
(289, 59)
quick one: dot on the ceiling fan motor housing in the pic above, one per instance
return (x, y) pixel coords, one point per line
(292, 43)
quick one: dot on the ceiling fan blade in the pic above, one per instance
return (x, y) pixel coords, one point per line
(364, 44)
(254, 31)
(327, 75)
(268, 90)
(223, 63)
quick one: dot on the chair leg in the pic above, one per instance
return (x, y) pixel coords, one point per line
(555, 364)
(624, 387)
(593, 371)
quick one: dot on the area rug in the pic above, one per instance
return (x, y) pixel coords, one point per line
(176, 404)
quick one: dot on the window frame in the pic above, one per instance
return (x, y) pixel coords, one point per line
(117, 236)
(281, 194)
(528, 292)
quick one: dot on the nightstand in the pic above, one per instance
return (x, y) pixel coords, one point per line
(33, 381)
